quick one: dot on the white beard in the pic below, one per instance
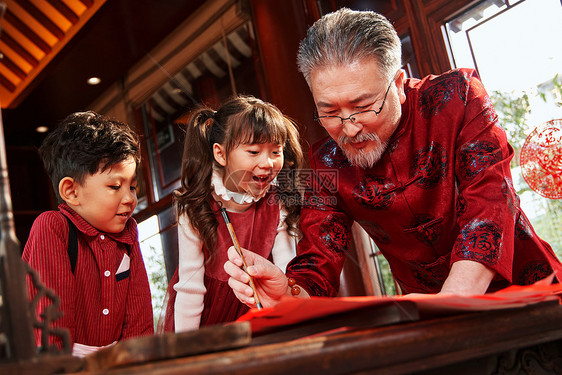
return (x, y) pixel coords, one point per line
(360, 158)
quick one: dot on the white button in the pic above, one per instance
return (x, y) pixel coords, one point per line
(102, 237)
(105, 311)
(107, 273)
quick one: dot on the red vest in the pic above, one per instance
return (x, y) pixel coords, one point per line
(256, 230)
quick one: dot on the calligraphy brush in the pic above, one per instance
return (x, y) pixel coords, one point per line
(239, 250)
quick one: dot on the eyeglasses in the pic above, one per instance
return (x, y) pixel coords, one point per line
(357, 117)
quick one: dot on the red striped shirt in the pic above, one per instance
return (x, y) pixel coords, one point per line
(99, 307)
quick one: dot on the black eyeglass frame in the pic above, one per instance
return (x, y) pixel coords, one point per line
(351, 117)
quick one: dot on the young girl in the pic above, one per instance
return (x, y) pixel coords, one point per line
(231, 159)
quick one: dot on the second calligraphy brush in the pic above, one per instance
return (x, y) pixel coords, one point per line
(239, 250)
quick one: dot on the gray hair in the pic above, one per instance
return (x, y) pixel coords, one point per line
(347, 36)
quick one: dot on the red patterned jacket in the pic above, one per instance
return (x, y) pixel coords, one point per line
(442, 192)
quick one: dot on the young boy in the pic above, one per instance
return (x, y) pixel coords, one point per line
(104, 292)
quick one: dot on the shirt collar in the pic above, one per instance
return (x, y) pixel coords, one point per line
(126, 236)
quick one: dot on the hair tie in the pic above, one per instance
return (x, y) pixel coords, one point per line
(212, 129)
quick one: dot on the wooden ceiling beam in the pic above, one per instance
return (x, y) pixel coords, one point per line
(42, 18)
(63, 9)
(6, 83)
(14, 68)
(14, 45)
(13, 19)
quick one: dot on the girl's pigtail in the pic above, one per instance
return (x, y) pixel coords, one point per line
(192, 198)
(289, 178)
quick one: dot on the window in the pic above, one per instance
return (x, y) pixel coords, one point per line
(151, 249)
(513, 45)
(157, 233)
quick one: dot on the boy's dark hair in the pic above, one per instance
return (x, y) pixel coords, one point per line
(85, 143)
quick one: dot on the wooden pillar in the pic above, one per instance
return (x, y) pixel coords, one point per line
(15, 315)
(279, 27)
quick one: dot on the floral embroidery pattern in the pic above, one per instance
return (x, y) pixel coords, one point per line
(437, 95)
(304, 262)
(533, 272)
(461, 206)
(371, 193)
(489, 112)
(314, 290)
(523, 228)
(331, 155)
(508, 191)
(474, 157)
(429, 165)
(335, 233)
(481, 241)
(463, 83)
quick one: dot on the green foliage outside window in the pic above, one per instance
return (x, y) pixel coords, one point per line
(513, 113)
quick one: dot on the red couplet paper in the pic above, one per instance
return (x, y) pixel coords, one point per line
(296, 310)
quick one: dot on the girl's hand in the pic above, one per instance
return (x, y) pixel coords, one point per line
(270, 281)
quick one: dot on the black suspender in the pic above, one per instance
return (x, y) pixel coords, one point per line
(72, 244)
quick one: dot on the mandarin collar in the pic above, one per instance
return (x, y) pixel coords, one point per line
(401, 128)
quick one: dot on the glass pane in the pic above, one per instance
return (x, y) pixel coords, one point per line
(151, 249)
(164, 142)
(409, 63)
(169, 236)
(516, 51)
(457, 30)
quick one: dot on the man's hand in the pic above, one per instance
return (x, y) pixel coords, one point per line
(270, 281)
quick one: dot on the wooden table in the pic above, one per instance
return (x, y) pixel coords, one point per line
(490, 342)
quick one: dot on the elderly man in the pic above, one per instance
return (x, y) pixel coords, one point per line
(421, 165)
